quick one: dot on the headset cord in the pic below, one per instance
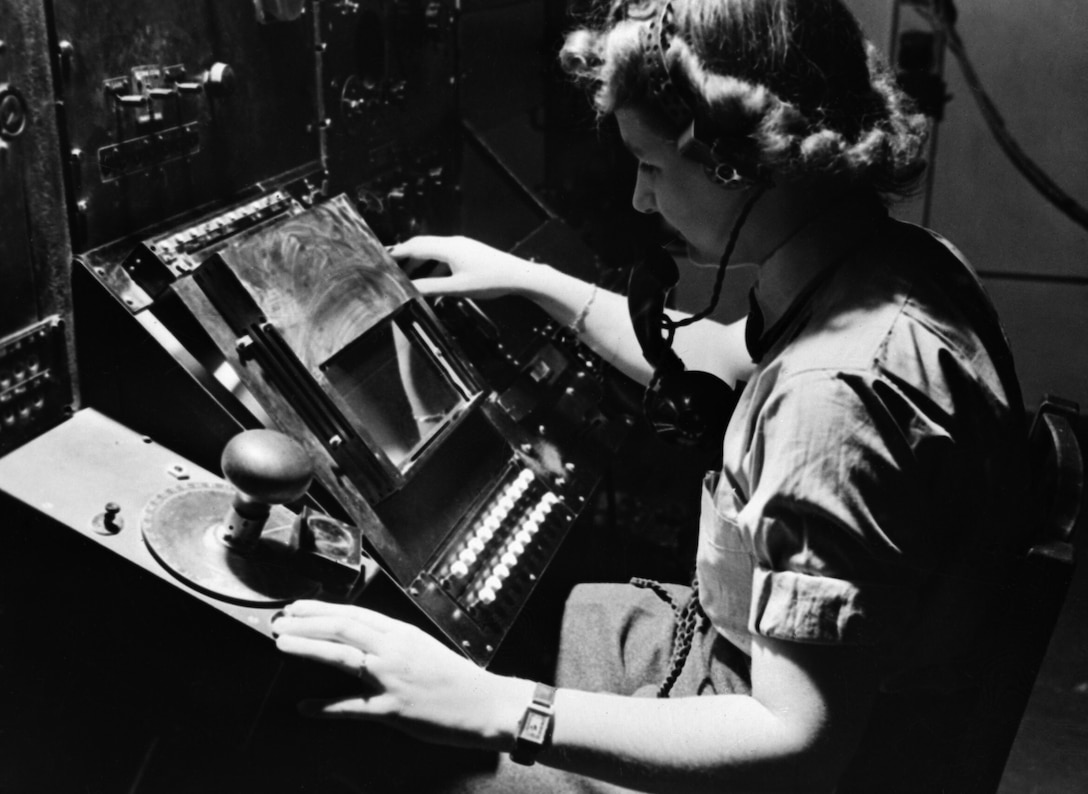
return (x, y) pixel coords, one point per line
(670, 325)
(689, 617)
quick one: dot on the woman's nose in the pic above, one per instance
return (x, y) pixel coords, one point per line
(643, 198)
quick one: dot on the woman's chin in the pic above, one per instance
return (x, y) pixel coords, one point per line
(700, 258)
(706, 260)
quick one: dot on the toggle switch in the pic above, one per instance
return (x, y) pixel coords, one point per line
(109, 521)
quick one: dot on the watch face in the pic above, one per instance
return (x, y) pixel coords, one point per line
(535, 726)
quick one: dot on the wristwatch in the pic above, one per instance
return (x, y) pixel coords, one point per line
(535, 728)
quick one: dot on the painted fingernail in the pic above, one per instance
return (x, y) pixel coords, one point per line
(272, 620)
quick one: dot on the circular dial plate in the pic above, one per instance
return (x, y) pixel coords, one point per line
(182, 527)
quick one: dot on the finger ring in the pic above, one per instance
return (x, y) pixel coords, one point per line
(361, 671)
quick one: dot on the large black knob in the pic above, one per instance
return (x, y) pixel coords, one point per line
(266, 468)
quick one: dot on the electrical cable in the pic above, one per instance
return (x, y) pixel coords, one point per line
(942, 16)
(669, 324)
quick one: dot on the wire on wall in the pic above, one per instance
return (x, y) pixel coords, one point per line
(941, 14)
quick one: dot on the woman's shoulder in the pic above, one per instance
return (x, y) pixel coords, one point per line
(908, 312)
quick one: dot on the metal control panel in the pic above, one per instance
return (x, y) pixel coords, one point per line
(35, 391)
(151, 152)
(461, 487)
(169, 108)
(391, 94)
(38, 386)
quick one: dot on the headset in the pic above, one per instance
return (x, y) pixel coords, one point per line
(727, 157)
(686, 407)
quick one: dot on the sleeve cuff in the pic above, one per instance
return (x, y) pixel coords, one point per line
(789, 605)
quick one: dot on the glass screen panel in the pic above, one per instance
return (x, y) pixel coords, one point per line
(395, 386)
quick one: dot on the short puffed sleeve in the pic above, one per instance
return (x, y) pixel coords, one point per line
(841, 513)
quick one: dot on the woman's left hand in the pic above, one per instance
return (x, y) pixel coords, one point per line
(408, 679)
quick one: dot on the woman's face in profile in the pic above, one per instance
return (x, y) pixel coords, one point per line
(678, 189)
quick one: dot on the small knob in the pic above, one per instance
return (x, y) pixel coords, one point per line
(67, 52)
(219, 80)
(267, 466)
(396, 92)
(109, 521)
(13, 113)
(435, 19)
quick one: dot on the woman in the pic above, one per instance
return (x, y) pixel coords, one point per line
(878, 415)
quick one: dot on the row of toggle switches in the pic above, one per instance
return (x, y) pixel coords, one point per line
(480, 566)
(175, 247)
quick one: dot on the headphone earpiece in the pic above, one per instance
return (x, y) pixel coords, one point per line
(724, 175)
(719, 160)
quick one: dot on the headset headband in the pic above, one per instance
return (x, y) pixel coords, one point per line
(713, 151)
(656, 37)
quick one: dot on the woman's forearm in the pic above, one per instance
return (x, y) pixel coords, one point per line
(605, 325)
(600, 317)
(603, 320)
(692, 744)
(794, 732)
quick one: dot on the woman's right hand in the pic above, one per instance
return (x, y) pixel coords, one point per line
(476, 270)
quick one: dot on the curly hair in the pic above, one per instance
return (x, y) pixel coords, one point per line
(789, 87)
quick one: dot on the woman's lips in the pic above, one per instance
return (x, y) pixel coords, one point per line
(676, 246)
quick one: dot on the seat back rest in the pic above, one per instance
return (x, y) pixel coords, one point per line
(1057, 470)
(1033, 600)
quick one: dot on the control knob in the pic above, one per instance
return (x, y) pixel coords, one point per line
(266, 468)
(219, 80)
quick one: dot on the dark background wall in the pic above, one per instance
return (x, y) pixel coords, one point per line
(1032, 60)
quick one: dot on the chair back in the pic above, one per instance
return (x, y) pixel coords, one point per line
(1033, 601)
(931, 742)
